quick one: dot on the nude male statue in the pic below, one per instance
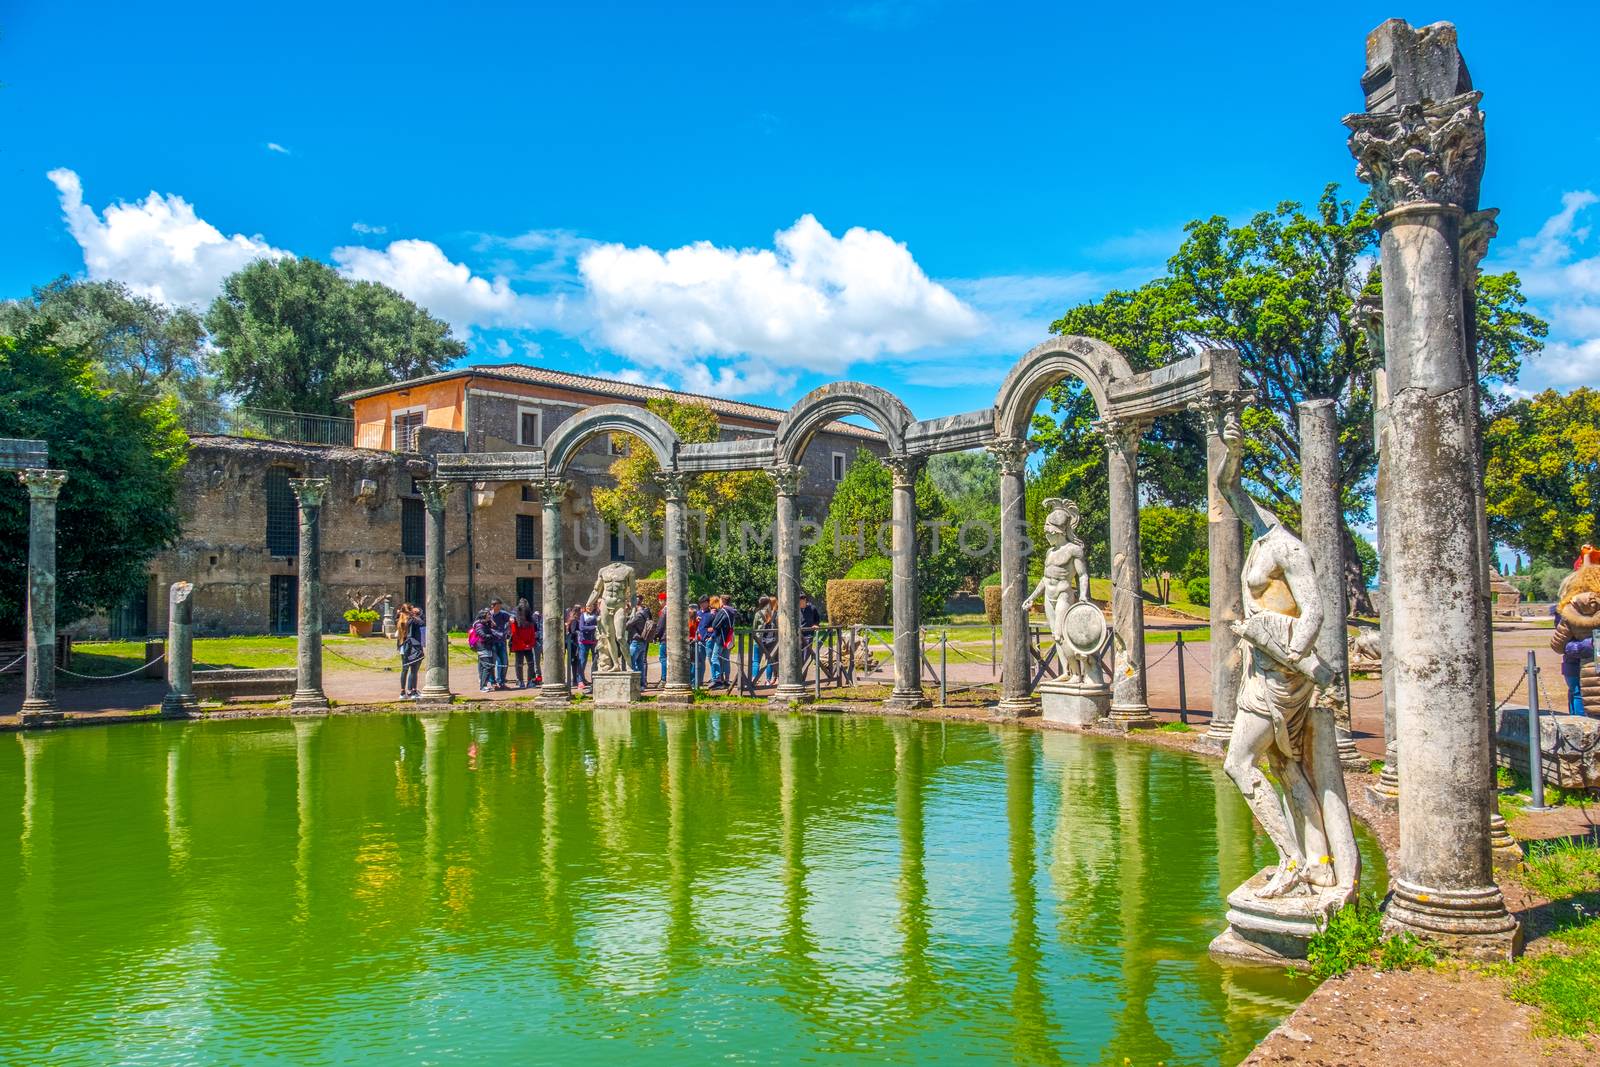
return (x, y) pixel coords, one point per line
(1065, 582)
(613, 592)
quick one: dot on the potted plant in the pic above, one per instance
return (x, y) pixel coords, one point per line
(360, 620)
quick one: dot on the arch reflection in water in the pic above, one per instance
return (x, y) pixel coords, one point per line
(560, 887)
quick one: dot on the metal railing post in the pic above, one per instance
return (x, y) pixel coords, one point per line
(944, 666)
(1183, 690)
(1535, 744)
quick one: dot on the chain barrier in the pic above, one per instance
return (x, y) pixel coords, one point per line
(13, 663)
(356, 663)
(1518, 685)
(111, 677)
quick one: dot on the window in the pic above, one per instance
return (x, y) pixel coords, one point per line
(838, 466)
(618, 444)
(529, 431)
(527, 538)
(406, 425)
(416, 590)
(616, 544)
(283, 514)
(528, 590)
(527, 494)
(413, 527)
(415, 483)
(283, 603)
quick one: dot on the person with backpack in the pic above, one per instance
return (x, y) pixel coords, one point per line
(481, 639)
(569, 631)
(524, 639)
(408, 641)
(637, 628)
(764, 635)
(588, 637)
(658, 633)
(501, 618)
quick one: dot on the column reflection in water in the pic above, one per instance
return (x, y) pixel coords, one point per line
(433, 803)
(680, 870)
(1031, 1026)
(613, 729)
(908, 811)
(177, 829)
(1138, 874)
(305, 735)
(799, 948)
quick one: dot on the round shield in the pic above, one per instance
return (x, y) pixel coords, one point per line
(1085, 628)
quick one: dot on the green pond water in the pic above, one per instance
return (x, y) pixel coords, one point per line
(605, 887)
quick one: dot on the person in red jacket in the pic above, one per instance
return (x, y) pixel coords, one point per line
(525, 644)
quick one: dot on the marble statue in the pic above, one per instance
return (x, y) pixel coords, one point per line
(613, 591)
(1278, 696)
(1065, 584)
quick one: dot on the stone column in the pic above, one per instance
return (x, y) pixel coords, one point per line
(791, 686)
(308, 694)
(436, 627)
(557, 687)
(1129, 705)
(179, 701)
(1420, 148)
(1322, 530)
(1016, 672)
(39, 681)
(1385, 793)
(1225, 545)
(675, 688)
(907, 692)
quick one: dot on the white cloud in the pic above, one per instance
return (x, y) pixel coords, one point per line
(814, 302)
(1560, 272)
(362, 227)
(448, 289)
(274, 146)
(159, 247)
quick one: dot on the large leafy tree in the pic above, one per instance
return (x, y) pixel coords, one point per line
(122, 452)
(294, 334)
(1283, 290)
(135, 344)
(970, 485)
(1543, 473)
(1169, 538)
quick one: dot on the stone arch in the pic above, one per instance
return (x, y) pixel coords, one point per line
(642, 423)
(833, 401)
(1095, 363)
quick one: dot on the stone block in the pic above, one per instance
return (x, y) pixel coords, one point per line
(1080, 704)
(615, 689)
(237, 683)
(1569, 746)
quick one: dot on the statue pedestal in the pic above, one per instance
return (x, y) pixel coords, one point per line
(1276, 929)
(1074, 703)
(616, 689)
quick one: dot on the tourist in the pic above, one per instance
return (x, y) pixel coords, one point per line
(659, 633)
(717, 637)
(588, 637)
(764, 635)
(694, 650)
(637, 628)
(702, 642)
(569, 630)
(481, 639)
(810, 620)
(408, 639)
(524, 637)
(501, 618)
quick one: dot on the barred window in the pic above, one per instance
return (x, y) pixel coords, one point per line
(527, 538)
(413, 536)
(283, 514)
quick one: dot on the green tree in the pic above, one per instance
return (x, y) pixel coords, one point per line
(294, 334)
(970, 485)
(1543, 473)
(1282, 290)
(1168, 536)
(135, 344)
(861, 510)
(122, 453)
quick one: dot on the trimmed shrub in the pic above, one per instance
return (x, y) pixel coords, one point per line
(651, 589)
(857, 601)
(872, 567)
(991, 601)
(991, 581)
(1198, 590)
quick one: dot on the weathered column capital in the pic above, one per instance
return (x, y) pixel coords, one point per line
(787, 477)
(674, 485)
(1477, 230)
(905, 469)
(1122, 434)
(1423, 155)
(552, 491)
(42, 484)
(309, 492)
(1222, 409)
(1011, 453)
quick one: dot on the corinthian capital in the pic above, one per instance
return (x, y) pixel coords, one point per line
(904, 469)
(1424, 153)
(674, 485)
(1222, 410)
(552, 491)
(434, 493)
(1011, 453)
(1121, 434)
(786, 476)
(310, 492)
(42, 484)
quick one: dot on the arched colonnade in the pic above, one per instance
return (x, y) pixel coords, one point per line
(1125, 401)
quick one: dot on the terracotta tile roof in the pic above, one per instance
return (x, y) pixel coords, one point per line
(610, 387)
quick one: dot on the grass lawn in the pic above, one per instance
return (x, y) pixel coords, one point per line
(338, 650)
(1563, 983)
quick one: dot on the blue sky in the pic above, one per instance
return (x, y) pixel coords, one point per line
(738, 200)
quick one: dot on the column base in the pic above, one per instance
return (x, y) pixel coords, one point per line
(1505, 854)
(792, 694)
(1125, 717)
(1385, 794)
(908, 700)
(40, 713)
(1220, 730)
(1349, 758)
(439, 695)
(1468, 923)
(179, 706)
(554, 694)
(679, 694)
(308, 700)
(1017, 708)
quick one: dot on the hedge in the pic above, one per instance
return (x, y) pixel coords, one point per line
(991, 602)
(1198, 590)
(651, 589)
(857, 601)
(872, 567)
